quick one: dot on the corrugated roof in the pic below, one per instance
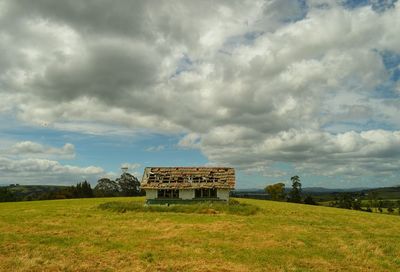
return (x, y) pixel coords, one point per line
(188, 177)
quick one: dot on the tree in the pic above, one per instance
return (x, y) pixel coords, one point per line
(295, 193)
(380, 206)
(309, 200)
(106, 187)
(6, 195)
(356, 203)
(344, 201)
(390, 205)
(276, 191)
(348, 201)
(373, 199)
(398, 206)
(67, 192)
(83, 190)
(129, 185)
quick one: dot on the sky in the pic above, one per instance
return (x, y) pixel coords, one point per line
(274, 88)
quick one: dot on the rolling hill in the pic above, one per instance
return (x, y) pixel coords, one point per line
(75, 235)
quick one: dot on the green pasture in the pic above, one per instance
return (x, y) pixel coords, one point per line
(76, 235)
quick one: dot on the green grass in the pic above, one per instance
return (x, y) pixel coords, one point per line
(233, 207)
(75, 235)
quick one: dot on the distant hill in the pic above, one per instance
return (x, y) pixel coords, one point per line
(330, 190)
(323, 194)
(385, 192)
(28, 192)
(326, 190)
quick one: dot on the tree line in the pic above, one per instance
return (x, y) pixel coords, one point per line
(278, 192)
(353, 201)
(369, 203)
(125, 185)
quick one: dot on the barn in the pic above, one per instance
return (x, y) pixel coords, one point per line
(187, 184)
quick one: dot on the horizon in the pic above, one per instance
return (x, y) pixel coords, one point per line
(272, 88)
(287, 185)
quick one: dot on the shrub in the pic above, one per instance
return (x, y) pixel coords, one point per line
(233, 207)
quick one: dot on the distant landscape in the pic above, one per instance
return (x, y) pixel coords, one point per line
(325, 194)
(383, 200)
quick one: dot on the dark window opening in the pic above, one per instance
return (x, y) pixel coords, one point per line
(164, 179)
(167, 193)
(205, 193)
(152, 178)
(213, 179)
(213, 192)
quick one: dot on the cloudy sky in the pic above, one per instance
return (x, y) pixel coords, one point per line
(273, 88)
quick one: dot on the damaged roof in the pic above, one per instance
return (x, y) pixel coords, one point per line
(188, 178)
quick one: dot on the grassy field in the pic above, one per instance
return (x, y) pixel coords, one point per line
(75, 235)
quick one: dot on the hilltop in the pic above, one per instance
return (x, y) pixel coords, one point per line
(75, 235)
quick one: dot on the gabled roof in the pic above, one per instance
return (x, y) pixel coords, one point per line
(188, 177)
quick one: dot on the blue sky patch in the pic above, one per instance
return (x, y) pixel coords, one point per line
(387, 89)
(376, 5)
(184, 64)
(300, 14)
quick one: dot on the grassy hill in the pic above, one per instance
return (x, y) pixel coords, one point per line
(75, 235)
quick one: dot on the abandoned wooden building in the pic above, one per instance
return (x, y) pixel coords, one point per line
(187, 184)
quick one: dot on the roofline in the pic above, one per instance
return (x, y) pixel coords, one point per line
(185, 174)
(188, 187)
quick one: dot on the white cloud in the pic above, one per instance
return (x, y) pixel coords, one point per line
(261, 81)
(190, 140)
(39, 171)
(374, 152)
(32, 149)
(133, 168)
(131, 165)
(31, 162)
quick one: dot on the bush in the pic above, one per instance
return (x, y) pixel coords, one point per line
(309, 200)
(233, 207)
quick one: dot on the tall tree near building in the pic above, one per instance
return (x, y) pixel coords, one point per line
(106, 187)
(295, 193)
(129, 185)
